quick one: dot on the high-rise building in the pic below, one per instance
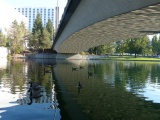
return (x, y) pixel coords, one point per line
(31, 13)
(56, 18)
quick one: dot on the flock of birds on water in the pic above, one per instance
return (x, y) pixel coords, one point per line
(35, 90)
(79, 85)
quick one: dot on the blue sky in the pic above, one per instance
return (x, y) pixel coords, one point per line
(38, 3)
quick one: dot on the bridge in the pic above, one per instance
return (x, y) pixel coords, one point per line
(89, 23)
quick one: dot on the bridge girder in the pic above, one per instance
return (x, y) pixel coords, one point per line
(141, 19)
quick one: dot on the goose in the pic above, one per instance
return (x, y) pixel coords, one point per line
(34, 86)
(79, 86)
(36, 94)
(46, 71)
(81, 67)
(89, 74)
(74, 69)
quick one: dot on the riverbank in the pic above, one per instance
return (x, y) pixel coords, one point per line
(131, 58)
(86, 57)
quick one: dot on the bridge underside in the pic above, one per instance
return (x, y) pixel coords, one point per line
(132, 24)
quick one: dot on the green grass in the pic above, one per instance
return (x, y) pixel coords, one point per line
(131, 58)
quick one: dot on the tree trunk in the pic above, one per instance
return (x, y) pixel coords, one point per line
(135, 55)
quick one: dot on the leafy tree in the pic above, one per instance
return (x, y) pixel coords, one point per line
(24, 33)
(17, 34)
(110, 48)
(50, 29)
(155, 45)
(3, 39)
(91, 50)
(135, 46)
(46, 42)
(121, 47)
(100, 49)
(138, 45)
(14, 37)
(34, 40)
(147, 48)
(36, 37)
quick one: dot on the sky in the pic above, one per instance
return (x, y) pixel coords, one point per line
(38, 3)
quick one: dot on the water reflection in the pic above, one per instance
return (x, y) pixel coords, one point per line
(20, 99)
(116, 90)
(80, 90)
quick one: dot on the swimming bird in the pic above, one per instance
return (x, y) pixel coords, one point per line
(74, 69)
(34, 86)
(89, 74)
(47, 71)
(79, 86)
(35, 95)
(81, 67)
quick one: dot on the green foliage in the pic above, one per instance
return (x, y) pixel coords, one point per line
(138, 45)
(83, 53)
(37, 26)
(3, 40)
(41, 37)
(46, 42)
(135, 46)
(17, 34)
(121, 47)
(50, 29)
(156, 45)
(35, 40)
(102, 49)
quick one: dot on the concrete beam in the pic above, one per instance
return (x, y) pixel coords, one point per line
(97, 22)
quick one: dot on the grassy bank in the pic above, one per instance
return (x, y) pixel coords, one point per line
(131, 58)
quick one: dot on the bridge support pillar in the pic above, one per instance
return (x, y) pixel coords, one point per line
(68, 56)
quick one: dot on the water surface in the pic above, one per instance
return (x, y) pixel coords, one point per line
(110, 90)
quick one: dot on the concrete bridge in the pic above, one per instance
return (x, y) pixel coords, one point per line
(89, 23)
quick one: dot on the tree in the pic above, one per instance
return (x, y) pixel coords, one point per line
(13, 34)
(3, 39)
(17, 34)
(137, 45)
(46, 42)
(100, 49)
(146, 47)
(50, 29)
(121, 47)
(110, 48)
(36, 37)
(155, 45)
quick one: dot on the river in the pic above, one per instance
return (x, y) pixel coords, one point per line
(79, 90)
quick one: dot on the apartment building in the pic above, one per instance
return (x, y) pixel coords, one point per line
(31, 13)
